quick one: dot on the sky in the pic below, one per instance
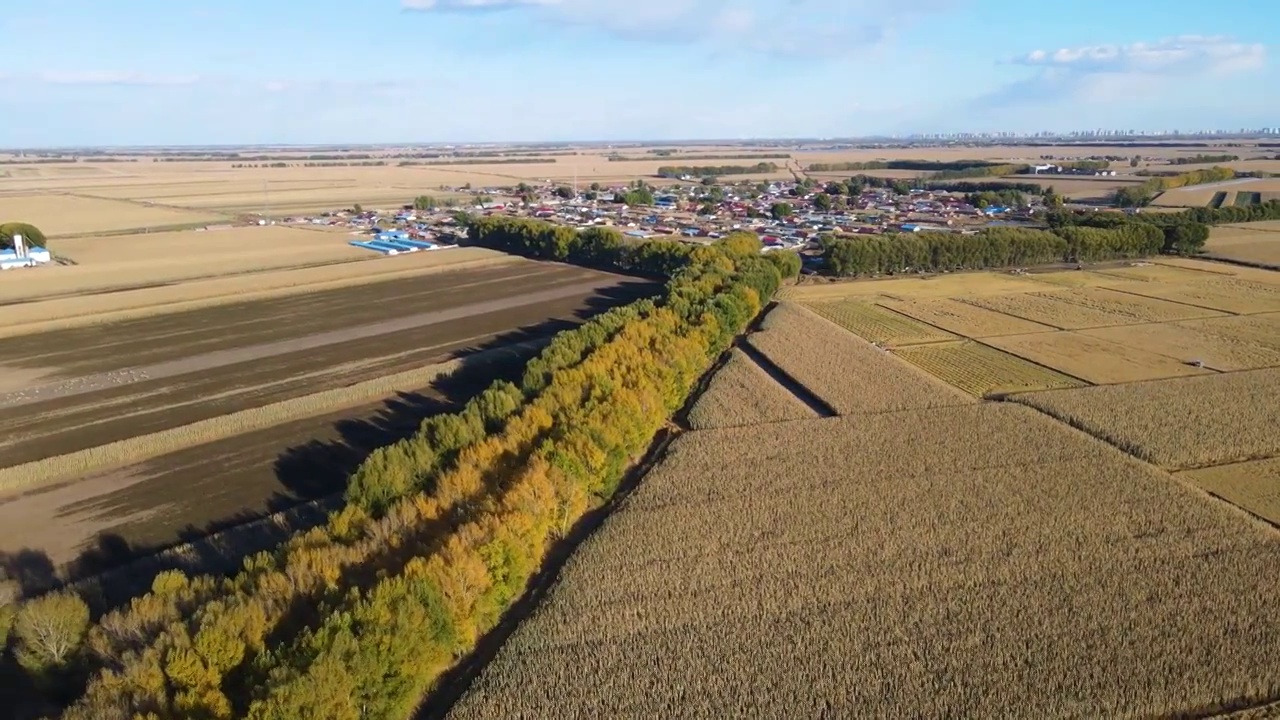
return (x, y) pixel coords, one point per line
(158, 72)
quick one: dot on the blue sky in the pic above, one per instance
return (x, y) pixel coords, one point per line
(88, 72)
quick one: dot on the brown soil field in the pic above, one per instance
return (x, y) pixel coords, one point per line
(57, 215)
(953, 561)
(39, 300)
(110, 382)
(1179, 424)
(1093, 359)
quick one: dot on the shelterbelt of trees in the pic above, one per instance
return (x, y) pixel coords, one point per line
(1142, 195)
(953, 169)
(439, 533)
(676, 171)
(1185, 232)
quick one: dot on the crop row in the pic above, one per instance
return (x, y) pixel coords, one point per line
(741, 393)
(954, 562)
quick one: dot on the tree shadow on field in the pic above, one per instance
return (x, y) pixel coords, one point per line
(26, 573)
(313, 475)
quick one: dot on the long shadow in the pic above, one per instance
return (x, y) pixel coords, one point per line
(313, 475)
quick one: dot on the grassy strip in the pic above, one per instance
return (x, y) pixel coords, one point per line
(143, 447)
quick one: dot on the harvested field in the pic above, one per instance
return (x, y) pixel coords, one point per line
(1093, 359)
(86, 303)
(58, 215)
(848, 374)
(1222, 293)
(1079, 308)
(741, 393)
(1253, 486)
(1202, 195)
(1257, 275)
(981, 370)
(1243, 243)
(910, 288)
(113, 382)
(964, 318)
(1179, 424)
(1240, 342)
(877, 324)
(951, 561)
(109, 517)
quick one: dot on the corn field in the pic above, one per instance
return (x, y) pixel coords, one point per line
(849, 374)
(1178, 424)
(741, 393)
(973, 561)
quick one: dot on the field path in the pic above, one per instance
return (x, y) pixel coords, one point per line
(221, 358)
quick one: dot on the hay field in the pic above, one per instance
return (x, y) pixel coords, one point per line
(981, 370)
(1079, 308)
(1093, 359)
(956, 562)
(58, 215)
(848, 374)
(741, 393)
(1244, 243)
(1254, 486)
(1241, 342)
(1179, 424)
(964, 318)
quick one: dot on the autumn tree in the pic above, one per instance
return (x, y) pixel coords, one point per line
(49, 631)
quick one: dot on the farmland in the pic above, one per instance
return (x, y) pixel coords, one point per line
(1256, 243)
(1231, 192)
(70, 394)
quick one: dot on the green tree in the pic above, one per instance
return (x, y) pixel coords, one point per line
(822, 201)
(31, 235)
(358, 208)
(425, 202)
(565, 192)
(595, 186)
(1133, 161)
(781, 210)
(1052, 200)
(49, 631)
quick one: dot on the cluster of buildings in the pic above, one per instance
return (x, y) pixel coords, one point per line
(21, 255)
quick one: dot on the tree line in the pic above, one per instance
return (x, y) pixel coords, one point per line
(850, 256)
(439, 533)
(739, 156)
(1185, 232)
(1141, 195)
(677, 171)
(1203, 159)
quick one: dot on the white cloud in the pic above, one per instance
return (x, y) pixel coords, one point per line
(794, 27)
(109, 77)
(1183, 54)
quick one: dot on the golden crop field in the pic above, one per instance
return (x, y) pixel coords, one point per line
(849, 374)
(1079, 308)
(954, 562)
(981, 369)
(1212, 292)
(909, 288)
(57, 215)
(964, 318)
(1245, 243)
(1202, 195)
(1253, 486)
(1179, 424)
(1238, 342)
(877, 324)
(741, 393)
(1094, 359)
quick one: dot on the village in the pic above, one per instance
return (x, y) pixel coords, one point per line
(788, 215)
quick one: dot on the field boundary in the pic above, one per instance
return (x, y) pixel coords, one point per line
(788, 383)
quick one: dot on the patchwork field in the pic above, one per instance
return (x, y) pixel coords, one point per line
(1202, 195)
(161, 390)
(1254, 486)
(879, 325)
(953, 561)
(982, 370)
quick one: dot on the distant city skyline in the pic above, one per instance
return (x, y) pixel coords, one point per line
(152, 72)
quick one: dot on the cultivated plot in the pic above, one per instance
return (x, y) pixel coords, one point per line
(1078, 308)
(848, 374)
(1253, 486)
(964, 318)
(981, 370)
(68, 215)
(1179, 424)
(742, 393)
(1094, 359)
(1222, 293)
(1237, 342)
(952, 561)
(1242, 243)
(877, 324)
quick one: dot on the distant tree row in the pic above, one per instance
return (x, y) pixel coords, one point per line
(731, 156)
(1203, 159)
(926, 165)
(1184, 232)
(676, 171)
(895, 253)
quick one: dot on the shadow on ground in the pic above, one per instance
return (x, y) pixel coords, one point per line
(311, 476)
